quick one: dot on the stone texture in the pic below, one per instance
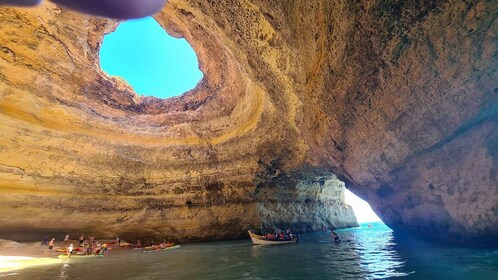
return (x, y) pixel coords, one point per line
(305, 203)
(397, 98)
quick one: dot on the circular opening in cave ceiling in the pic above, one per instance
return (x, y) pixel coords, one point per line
(150, 60)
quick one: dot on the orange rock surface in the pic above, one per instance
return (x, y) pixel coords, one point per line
(398, 99)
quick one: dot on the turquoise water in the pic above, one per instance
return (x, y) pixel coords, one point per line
(371, 253)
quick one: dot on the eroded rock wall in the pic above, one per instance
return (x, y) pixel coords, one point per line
(82, 153)
(398, 98)
(307, 202)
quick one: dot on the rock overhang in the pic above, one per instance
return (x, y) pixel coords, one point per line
(385, 99)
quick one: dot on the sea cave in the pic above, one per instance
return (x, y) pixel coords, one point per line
(299, 100)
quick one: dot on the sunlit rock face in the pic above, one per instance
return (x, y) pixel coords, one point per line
(305, 203)
(397, 98)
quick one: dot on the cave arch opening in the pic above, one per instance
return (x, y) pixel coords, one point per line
(154, 63)
(362, 209)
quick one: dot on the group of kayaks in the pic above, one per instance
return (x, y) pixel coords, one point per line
(78, 255)
(255, 238)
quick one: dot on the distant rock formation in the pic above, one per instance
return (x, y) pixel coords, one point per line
(397, 98)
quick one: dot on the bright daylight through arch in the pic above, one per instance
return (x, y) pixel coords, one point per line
(361, 208)
(151, 61)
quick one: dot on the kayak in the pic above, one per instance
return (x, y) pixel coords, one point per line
(126, 245)
(80, 256)
(64, 249)
(167, 248)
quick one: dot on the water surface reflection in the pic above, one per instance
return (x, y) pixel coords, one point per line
(365, 253)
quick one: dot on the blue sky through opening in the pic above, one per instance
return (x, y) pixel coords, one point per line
(154, 63)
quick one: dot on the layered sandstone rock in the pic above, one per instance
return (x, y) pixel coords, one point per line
(303, 203)
(397, 98)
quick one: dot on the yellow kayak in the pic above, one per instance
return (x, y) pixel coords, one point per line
(64, 249)
(80, 256)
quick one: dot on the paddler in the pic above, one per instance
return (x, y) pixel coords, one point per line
(69, 251)
(104, 249)
(334, 235)
(50, 246)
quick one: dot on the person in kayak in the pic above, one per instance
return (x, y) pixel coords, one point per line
(50, 246)
(334, 236)
(69, 251)
(104, 249)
